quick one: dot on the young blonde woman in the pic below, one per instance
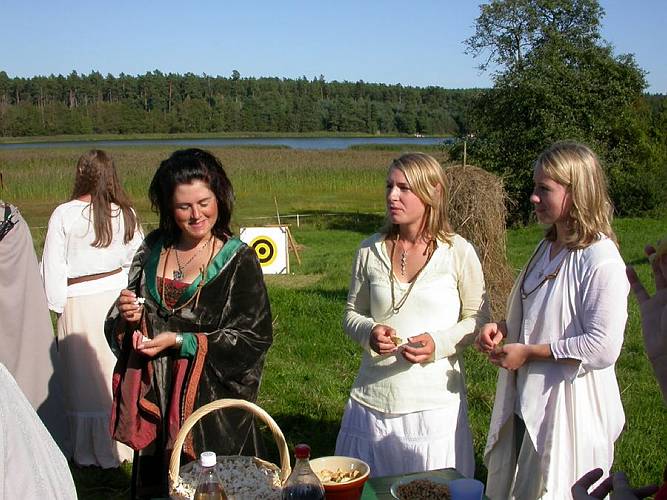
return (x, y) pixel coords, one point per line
(415, 301)
(89, 246)
(557, 411)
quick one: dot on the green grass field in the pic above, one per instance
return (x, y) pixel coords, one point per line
(312, 364)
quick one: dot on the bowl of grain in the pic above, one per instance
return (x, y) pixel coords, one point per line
(424, 486)
(343, 478)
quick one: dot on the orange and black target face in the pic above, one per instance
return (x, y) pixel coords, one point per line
(266, 250)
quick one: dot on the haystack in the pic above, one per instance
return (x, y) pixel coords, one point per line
(477, 212)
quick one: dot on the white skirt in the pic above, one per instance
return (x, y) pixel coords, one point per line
(394, 444)
(87, 364)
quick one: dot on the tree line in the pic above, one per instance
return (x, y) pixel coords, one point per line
(172, 103)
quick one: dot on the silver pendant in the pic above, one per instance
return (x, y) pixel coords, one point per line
(178, 275)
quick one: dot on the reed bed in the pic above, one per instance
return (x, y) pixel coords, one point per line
(294, 180)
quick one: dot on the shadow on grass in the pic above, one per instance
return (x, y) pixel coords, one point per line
(319, 434)
(93, 483)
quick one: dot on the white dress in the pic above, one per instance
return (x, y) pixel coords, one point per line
(32, 465)
(87, 361)
(572, 412)
(405, 417)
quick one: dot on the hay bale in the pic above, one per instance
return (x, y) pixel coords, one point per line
(477, 212)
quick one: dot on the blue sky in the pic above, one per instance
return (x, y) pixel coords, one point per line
(389, 41)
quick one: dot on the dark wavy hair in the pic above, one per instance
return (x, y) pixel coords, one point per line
(183, 167)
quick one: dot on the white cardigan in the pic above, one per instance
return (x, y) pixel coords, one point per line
(68, 254)
(572, 412)
(447, 301)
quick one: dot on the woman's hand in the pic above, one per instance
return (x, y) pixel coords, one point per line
(128, 306)
(489, 336)
(653, 309)
(510, 356)
(616, 484)
(380, 340)
(153, 347)
(419, 349)
(514, 356)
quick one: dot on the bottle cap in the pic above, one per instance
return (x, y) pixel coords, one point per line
(302, 451)
(208, 459)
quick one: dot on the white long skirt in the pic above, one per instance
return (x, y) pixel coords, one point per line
(413, 442)
(87, 364)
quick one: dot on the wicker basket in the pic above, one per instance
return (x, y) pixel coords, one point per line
(248, 467)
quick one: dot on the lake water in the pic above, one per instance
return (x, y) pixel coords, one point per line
(292, 142)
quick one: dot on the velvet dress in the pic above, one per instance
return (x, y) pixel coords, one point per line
(226, 321)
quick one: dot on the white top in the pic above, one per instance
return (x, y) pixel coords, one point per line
(572, 412)
(446, 301)
(68, 253)
(32, 464)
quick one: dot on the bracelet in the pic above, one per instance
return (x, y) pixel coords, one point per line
(179, 340)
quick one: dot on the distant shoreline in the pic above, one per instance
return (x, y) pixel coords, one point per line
(217, 135)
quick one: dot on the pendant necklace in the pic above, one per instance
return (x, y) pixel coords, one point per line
(179, 273)
(396, 306)
(202, 281)
(545, 277)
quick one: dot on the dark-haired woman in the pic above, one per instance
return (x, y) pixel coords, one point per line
(193, 325)
(89, 246)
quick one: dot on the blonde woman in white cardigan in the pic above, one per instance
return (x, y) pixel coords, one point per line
(557, 411)
(416, 299)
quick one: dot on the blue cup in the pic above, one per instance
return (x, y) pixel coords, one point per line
(466, 489)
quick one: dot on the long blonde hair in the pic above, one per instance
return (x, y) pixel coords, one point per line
(96, 175)
(428, 181)
(578, 168)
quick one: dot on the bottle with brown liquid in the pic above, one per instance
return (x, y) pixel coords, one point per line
(209, 486)
(302, 483)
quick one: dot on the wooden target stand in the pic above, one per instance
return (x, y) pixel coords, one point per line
(291, 242)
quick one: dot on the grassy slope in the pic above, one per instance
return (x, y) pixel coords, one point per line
(312, 364)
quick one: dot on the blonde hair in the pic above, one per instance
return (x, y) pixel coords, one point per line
(96, 175)
(428, 181)
(578, 168)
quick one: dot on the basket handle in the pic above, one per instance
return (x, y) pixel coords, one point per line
(175, 461)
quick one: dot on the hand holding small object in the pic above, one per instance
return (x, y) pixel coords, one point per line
(129, 306)
(419, 348)
(490, 336)
(381, 339)
(152, 347)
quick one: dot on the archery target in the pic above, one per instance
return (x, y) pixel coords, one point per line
(270, 245)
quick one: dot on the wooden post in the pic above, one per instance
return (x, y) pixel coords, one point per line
(275, 200)
(465, 151)
(293, 245)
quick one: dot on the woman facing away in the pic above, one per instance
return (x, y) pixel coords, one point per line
(89, 245)
(202, 331)
(416, 299)
(28, 344)
(557, 411)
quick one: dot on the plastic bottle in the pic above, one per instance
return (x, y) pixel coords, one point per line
(302, 483)
(209, 486)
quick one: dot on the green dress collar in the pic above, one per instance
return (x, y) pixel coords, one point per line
(215, 266)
